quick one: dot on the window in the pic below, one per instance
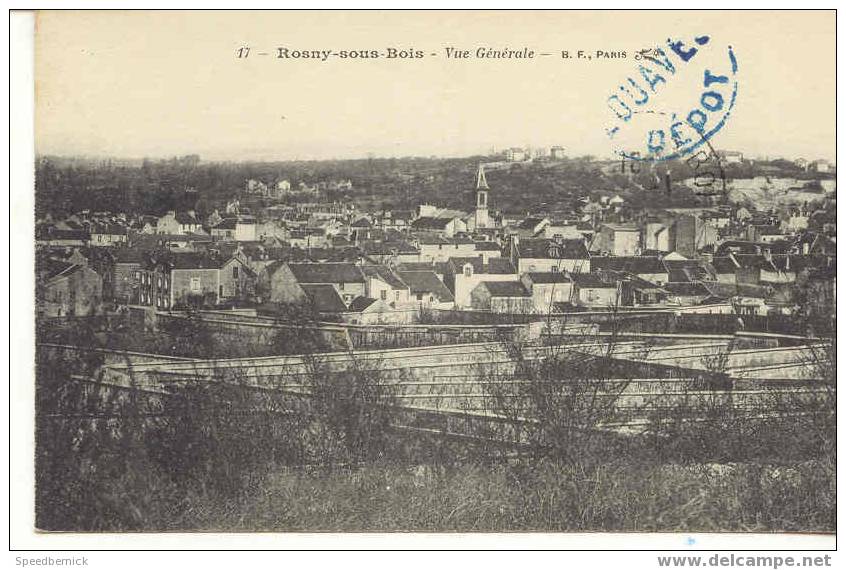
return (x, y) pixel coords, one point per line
(420, 296)
(341, 286)
(396, 295)
(235, 272)
(431, 299)
(384, 295)
(468, 270)
(195, 285)
(554, 269)
(220, 292)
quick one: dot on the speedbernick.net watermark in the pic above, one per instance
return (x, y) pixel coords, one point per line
(748, 561)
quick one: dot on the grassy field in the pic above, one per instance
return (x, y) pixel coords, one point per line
(610, 497)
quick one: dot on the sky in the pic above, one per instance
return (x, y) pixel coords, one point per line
(159, 84)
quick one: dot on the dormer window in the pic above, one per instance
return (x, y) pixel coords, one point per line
(468, 270)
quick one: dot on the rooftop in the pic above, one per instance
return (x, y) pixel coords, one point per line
(505, 288)
(333, 272)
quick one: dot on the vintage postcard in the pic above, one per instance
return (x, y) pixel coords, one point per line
(435, 271)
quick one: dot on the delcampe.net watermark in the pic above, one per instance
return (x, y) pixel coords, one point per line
(745, 561)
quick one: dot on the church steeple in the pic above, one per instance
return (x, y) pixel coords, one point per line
(481, 216)
(481, 181)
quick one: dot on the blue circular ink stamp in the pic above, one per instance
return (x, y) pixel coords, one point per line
(674, 101)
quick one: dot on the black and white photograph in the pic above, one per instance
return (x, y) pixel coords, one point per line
(473, 271)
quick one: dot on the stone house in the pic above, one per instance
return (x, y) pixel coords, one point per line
(65, 289)
(282, 282)
(548, 289)
(440, 249)
(549, 255)
(618, 239)
(382, 283)
(502, 297)
(178, 223)
(598, 290)
(463, 274)
(427, 290)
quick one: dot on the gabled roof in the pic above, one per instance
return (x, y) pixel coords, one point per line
(487, 246)
(195, 260)
(416, 266)
(551, 249)
(621, 227)
(531, 223)
(424, 239)
(53, 268)
(457, 263)
(425, 282)
(500, 266)
(349, 254)
(430, 223)
(324, 298)
(360, 304)
(495, 265)
(687, 270)
(724, 265)
(371, 247)
(761, 262)
(385, 274)
(362, 222)
(548, 277)
(728, 290)
(602, 280)
(639, 265)
(53, 233)
(505, 288)
(440, 268)
(326, 272)
(687, 289)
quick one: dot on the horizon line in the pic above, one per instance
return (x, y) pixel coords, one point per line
(94, 156)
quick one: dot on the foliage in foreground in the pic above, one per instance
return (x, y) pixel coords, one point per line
(223, 458)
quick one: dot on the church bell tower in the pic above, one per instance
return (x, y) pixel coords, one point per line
(481, 216)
